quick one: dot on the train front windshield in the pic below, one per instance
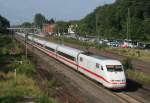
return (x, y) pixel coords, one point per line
(114, 68)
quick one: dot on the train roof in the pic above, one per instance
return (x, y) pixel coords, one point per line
(104, 60)
(40, 41)
(69, 50)
(21, 34)
(100, 57)
(51, 45)
(73, 52)
(95, 56)
(65, 49)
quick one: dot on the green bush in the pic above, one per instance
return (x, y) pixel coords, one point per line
(12, 95)
(101, 46)
(45, 99)
(24, 66)
(14, 90)
(127, 63)
(4, 51)
(9, 99)
(140, 76)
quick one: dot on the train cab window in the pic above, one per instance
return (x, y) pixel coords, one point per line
(114, 68)
(110, 68)
(118, 68)
(81, 59)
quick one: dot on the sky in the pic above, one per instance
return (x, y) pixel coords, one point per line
(19, 11)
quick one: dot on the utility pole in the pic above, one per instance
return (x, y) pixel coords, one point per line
(96, 27)
(128, 24)
(26, 51)
(15, 74)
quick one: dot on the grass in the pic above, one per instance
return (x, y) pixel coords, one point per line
(14, 88)
(23, 83)
(24, 66)
(132, 53)
(18, 87)
(139, 76)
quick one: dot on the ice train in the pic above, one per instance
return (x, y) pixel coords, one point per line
(108, 72)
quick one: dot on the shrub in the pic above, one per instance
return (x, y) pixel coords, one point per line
(24, 66)
(45, 99)
(127, 63)
(13, 91)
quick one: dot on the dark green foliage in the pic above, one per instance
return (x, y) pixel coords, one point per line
(10, 99)
(13, 95)
(7, 55)
(27, 25)
(4, 40)
(61, 26)
(4, 24)
(112, 20)
(45, 99)
(39, 20)
(127, 63)
(51, 21)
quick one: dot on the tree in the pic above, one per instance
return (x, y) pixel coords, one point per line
(39, 20)
(4, 24)
(61, 26)
(111, 20)
(27, 25)
(51, 21)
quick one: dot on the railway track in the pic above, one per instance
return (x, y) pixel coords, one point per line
(128, 99)
(62, 93)
(74, 76)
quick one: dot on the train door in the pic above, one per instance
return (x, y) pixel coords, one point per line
(56, 50)
(82, 64)
(77, 60)
(98, 70)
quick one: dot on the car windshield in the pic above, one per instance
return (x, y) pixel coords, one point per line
(114, 68)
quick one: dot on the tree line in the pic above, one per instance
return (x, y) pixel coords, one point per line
(117, 19)
(122, 19)
(39, 20)
(4, 24)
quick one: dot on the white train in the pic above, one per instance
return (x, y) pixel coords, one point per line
(108, 72)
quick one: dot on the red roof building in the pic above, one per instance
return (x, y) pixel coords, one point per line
(48, 28)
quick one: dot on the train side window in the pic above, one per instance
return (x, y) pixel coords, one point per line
(102, 68)
(81, 59)
(49, 48)
(66, 55)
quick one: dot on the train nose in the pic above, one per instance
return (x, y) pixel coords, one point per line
(118, 84)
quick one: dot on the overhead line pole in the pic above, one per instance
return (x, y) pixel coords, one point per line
(96, 27)
(128, 24)
(26, 51)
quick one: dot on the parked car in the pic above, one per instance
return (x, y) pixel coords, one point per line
(147, 46)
